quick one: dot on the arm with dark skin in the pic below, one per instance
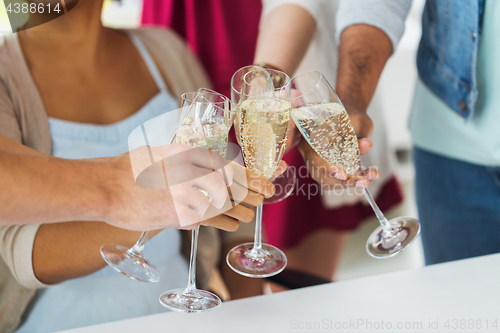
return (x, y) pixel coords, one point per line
(364, 51)
(283, 43)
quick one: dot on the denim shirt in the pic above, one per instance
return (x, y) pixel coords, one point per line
(447, 54)
(448, 50)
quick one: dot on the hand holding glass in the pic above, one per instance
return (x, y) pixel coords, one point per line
(325, 124)
(206, 124)
(263, 123)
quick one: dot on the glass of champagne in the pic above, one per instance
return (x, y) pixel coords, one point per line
(263, 98)
(284, 183)
(130, 261)
(206, 124)
(325, 124)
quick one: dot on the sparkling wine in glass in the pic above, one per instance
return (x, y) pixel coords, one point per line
(264, 119)
(324, 123)
(284, 183)
(130, 261)
(205, 125)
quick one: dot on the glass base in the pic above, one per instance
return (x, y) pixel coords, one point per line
(181, 300)
(247, 261)
(385, 244)
(284, 185)
(129, 263)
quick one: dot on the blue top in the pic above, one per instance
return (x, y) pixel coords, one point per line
(107, 295)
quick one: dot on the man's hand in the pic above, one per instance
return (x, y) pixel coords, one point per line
(361, 122)
(363, 52)
(329, 176)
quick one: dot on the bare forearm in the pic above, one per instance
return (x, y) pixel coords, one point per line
(363, 53)
(37, 188)
(63, 251)
(284, 37)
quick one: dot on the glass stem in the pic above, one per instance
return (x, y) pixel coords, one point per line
(139, 245)
(191, 287)
(257, 244)
(382, 219)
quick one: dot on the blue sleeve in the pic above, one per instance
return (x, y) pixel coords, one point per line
(387, 15)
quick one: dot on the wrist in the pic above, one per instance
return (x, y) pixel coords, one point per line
(354, 107)
(103, 195)
(361, 122)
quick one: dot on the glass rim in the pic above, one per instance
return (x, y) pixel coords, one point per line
(224, 99)
(317, 82)
(255, 68)
(240, 70)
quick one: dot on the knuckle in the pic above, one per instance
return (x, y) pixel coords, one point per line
(256, 199)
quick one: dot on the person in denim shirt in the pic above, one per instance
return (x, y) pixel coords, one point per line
(454, 114)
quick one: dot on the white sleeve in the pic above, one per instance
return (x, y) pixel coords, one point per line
(16, 248)
(16, 242)
(312, 6)
(387, 15)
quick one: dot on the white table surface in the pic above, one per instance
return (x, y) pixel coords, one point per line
(460, 296)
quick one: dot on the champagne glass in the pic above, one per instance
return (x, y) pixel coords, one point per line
(325, 124)
(284, 183)
(206, 125)
(130, 261)
(264, 119)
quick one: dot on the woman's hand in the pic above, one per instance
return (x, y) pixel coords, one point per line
(248, 190)
(155, 188)
(159, 187)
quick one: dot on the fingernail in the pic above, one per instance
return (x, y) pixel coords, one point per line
(340, 175)
(361, 183)
(272, 193)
